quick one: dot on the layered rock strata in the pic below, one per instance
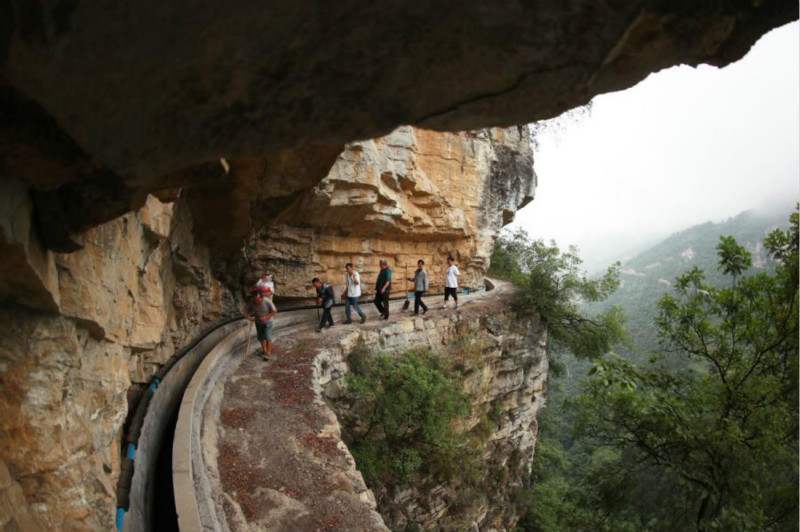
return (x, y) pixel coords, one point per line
(92, 120)
(139, 289)
(84, 104)
(507, 384)
(411, 195)
(85, 329)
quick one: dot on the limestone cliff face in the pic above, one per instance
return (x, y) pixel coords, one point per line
(411, 195)
(91, 326)
(139, 289)
(93, 119)
(508, 387)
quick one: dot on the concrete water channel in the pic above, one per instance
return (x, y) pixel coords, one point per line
(169, 489)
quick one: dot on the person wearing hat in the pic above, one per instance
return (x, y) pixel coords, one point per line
(383, 287)
(325, 298)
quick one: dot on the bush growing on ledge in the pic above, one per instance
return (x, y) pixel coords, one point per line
(408, 406)
(551, 284)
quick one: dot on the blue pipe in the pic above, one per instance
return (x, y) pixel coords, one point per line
(120, 518)
(131, 451)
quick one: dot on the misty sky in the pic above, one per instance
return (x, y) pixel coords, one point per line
(683, 147)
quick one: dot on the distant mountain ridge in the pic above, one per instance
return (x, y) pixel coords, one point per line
(650, 274)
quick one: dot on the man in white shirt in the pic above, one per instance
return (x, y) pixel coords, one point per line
(352, 291)
(451, 282)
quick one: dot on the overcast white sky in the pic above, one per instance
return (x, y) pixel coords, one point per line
(684, 146)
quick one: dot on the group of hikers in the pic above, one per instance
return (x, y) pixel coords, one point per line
(261, 310)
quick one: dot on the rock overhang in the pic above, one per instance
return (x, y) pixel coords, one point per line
(120, 99)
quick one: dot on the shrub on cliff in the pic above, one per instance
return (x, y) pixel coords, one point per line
(408, 407)
(551, 284)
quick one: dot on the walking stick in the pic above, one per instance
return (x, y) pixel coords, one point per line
(408, 301)
(249, 339)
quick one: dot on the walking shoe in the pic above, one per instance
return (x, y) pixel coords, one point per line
(456, 307)
(363, 319)
(348, 321)
(444, 307)
(425, 310)
(386, 316)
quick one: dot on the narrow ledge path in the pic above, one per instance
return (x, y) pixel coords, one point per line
(266, 450)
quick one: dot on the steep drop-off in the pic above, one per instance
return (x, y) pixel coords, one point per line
(142, 145)
(504, 366)
(143, 285)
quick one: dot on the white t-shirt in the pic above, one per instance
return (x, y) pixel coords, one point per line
(353, 289)
(452, 277)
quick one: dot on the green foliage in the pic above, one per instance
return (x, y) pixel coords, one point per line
(582, 480)
(552, 285)
(722, 428)
(410, 405)
(646, 277)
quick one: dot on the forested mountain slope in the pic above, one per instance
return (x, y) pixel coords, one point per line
(650, 274)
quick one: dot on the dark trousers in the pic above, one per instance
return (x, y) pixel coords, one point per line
(451, 292)
(382, 303)
(326, 317)
(418, 302)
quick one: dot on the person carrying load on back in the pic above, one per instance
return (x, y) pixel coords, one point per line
(325, 298)
(352, 292)
(451, 282)
(420, 281)
(383, 288)
(261, 311)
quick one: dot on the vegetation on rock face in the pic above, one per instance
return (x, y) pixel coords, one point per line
(409, 406)
(551, 284)
(704, 436)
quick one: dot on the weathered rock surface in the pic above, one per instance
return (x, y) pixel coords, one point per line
(137, 290)
(93, 119)
(107, 118)
(411, 195)
(507, 385)
(84, 328)
(273, 451)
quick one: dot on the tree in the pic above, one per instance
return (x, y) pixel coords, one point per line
(408, 406)
(722, 430)
(551, 284)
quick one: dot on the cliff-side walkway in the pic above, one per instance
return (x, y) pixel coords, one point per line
(265, 449)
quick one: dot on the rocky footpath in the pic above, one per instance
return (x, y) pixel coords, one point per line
(413, 194)
(86, 330)
(273, 444)
(133, 173)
